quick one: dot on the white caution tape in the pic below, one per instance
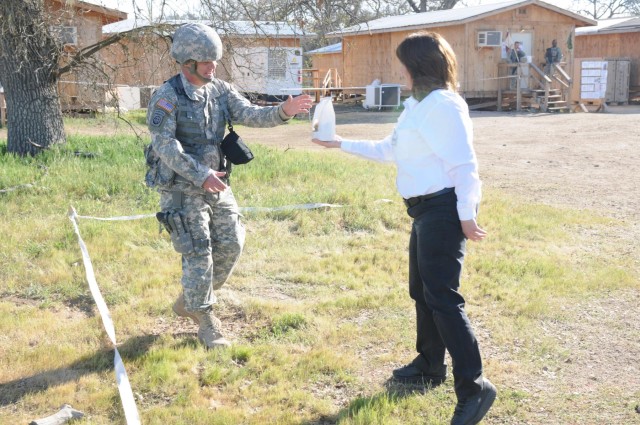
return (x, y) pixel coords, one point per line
(242, 209)
(124, 387)
(289, 207)
(123, 218)
(21, 186)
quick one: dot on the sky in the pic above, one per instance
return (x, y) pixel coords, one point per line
(183, 6)
(179, 6)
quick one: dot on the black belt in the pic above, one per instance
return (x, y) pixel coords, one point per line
(412, 202)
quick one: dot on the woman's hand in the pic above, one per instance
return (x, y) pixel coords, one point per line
(472, 231)
(328, 144)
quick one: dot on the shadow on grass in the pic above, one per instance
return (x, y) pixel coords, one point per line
(11, 392)
(394, 391)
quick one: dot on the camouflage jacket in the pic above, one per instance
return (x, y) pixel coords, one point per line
(193, 164)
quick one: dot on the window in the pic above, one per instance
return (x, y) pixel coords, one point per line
(522, 11)
(489, 38)
(277, 64)
(66, 35)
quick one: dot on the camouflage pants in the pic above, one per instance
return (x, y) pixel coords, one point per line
(213, 221)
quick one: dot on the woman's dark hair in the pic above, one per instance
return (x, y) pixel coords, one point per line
(430, 61)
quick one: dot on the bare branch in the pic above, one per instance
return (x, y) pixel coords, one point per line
(89, 51)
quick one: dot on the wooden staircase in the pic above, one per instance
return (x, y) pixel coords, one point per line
(534, 89)
(554, 101)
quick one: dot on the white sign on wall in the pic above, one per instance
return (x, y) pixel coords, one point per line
(593, 80)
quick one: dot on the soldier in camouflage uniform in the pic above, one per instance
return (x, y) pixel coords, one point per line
(186, 118)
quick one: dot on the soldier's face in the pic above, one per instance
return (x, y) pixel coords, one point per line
(200, 73)
(206, 70)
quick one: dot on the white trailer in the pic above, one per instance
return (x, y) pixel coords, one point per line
(265, 71)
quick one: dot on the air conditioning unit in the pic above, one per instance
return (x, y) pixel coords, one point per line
(489, 38)
(66, 35)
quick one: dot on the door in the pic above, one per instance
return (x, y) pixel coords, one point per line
(526, 41)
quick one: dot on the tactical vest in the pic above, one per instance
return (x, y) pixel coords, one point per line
(188, 130)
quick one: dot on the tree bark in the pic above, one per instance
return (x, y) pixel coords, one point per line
(28, 72)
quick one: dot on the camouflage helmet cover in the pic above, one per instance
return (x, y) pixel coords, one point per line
(196, 42)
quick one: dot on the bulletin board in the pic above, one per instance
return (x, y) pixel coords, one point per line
(593, 80)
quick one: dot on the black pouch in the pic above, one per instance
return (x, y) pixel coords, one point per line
(235, 149)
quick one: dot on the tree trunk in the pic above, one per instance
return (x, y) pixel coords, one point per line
(28, 72)
(34, 118)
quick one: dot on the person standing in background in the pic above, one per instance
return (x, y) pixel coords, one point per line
(552, 56)
(516, 55)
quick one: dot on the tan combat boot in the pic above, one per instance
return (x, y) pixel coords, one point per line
(178, 308)
(210, 332)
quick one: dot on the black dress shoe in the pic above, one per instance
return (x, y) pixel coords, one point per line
(410, 374)
(471, 410)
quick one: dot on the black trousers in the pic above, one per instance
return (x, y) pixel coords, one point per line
(436, 254)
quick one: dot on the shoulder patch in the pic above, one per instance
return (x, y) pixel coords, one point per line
(166, 105)
(157, 117)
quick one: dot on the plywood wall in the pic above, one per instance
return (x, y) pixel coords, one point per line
(369, 57)
(622, 45)
(325, 61)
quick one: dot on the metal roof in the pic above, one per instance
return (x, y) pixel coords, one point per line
(91, 5)
(609, 26)
(333, 48)
(230, 29)
(441, 18)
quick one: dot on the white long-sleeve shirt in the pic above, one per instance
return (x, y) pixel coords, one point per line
(432, 147)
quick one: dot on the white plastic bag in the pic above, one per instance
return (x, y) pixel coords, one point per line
(324, 120)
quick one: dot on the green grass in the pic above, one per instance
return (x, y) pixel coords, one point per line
(317, 304)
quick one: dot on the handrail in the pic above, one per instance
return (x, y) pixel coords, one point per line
(565, 84)
(563, 73)
(327, 79)
(338, 79)
(544, 76)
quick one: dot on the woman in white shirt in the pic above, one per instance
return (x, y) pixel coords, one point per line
(437, 175)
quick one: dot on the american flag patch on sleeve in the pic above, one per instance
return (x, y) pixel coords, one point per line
(166, 105)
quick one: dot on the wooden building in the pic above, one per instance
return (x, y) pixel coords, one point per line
(617, 41)
(327, 67)
(479, 35)
(260, 58)
(79, 24)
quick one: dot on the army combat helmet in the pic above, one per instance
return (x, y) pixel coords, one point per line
(196, 42)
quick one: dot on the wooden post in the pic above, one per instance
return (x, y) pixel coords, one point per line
(547, 87)
(3, 110)
(518, 90)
